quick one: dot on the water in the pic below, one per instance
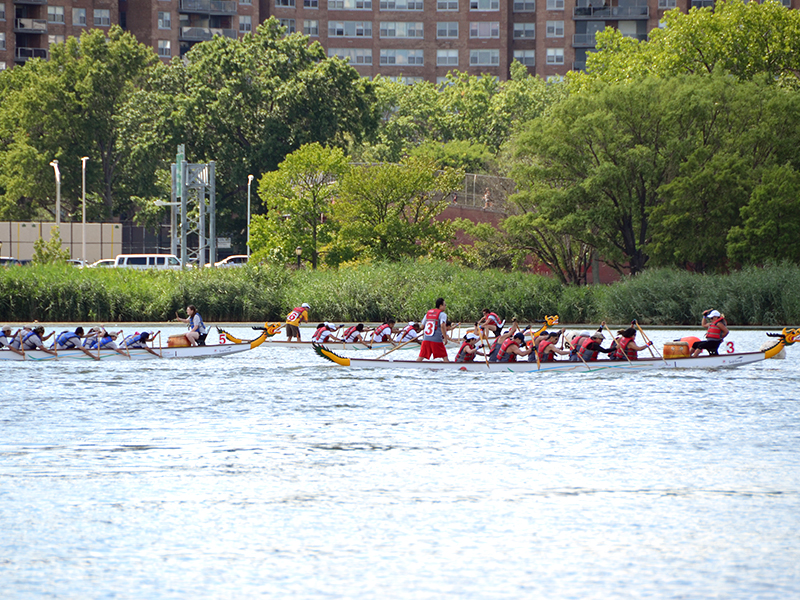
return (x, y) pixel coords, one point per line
(275, 474)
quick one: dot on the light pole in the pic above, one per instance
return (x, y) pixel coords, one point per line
(298, 251)
(249, 181)
(83, 196)
(54, 164)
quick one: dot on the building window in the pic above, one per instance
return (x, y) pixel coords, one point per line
(2, 11)
(2, 40)
(102, 17)
(484, 29)
(79, 17)
(667, 3)
(55, 14)
(2, 65)
(349, 4)
(401, 5)
(356, 56)
(350, 29)
(526, 57)
(310, 3)
(164, 48)
(447, 30)
(402, 30)
(311, 28)
(555, 29)
(279, 3)
(447, 58)
(412, 58)
(524, 6)
(247, 2)
(484, 58)
(288, 23)
(55, 39)
(525, 31)
(555, 56)
(555, 4)
(164, 20)
(485, 4)
(446, 4)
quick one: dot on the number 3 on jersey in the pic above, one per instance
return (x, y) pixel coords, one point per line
(430, 327)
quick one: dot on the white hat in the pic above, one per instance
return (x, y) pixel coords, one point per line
(305, 305)
(714, 314)
(332, 325)
(598, 334)
(411, 323)
(470, 336)
(585, 334)
(5, 328)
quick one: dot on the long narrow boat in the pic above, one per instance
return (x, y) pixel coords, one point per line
(739, 359)
(138, 353)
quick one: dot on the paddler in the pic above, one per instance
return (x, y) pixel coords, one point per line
(354, 334)
(434, 333)
(34, 340)
(325, 333)
(511, 348)
(716, 330)
(409, 333)
(468, 350)
(546, 349)
(71, 340)
(491, 322)
(591, 347)
(293, 320)
(383, 332)
(139, 340)
(627, 346)
(8, 340)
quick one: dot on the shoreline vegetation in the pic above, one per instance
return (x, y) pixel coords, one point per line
(754, 296)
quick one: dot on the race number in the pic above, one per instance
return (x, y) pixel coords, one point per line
(729, 346)
(430, 327)
(222, 338)
(293, 316)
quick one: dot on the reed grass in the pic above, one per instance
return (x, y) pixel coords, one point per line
(404, 290)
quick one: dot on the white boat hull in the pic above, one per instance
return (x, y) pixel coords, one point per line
(341, 346)
(645, 364)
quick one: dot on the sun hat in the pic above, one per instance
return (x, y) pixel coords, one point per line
(470, 336)
(305, 305)
(714, 314)
(5, 328)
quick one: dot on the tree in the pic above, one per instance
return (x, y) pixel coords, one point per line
(390, 211)
(50, 252)
(299, 199)
(743, 39)
(247, 103)
(63, 109)
(770, 220)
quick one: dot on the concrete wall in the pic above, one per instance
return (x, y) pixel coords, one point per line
(103, 240)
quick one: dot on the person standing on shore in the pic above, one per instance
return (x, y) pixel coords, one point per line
(434, 333)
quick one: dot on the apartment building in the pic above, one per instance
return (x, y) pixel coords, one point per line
(29, 27)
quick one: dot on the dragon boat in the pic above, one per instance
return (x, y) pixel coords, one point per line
(140, 353)
(786, 338)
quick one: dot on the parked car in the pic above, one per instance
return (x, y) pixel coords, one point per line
(77, 262)
(9, 261)
(236, 260)
(147, 261)
(103, 262)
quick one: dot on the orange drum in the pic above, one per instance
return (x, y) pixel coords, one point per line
(690, 340)
(676, 349)
(177, 341)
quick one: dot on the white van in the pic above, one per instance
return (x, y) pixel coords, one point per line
(147, 261)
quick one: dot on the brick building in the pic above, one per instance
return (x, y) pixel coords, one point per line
(413, 39)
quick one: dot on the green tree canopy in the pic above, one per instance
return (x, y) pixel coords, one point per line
(299, 198)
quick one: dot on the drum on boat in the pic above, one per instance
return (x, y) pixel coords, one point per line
(178, 341)
(676, 349)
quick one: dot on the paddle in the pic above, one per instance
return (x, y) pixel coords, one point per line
(396, 348)
(485, 343)
(613, 338)
(646, 339)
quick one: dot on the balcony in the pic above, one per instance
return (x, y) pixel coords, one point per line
(579, 65)
(209, 7)
(30, 1)
(583, 40)
(30, 26)
(203, 34)
(23, 54)
(612, 13)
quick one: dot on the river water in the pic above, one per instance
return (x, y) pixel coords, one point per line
(276, 474)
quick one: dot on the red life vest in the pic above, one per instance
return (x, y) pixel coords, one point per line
(432, 331)
(493, 319)
(503, 355)
(462, 356)
(550, 356)
(349, 332)
(378, 335)
(319, 332)
(714, 330)
(406, 330)
(619, 353)
(575, 344)
(584, 351)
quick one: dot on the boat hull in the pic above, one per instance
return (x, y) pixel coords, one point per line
(703, 362)
(341, 346)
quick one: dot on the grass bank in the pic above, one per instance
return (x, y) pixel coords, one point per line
(754, 296)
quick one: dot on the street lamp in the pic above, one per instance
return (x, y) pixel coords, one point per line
(249, 181)
(83, 195)
(298, 251)
(54, 164)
